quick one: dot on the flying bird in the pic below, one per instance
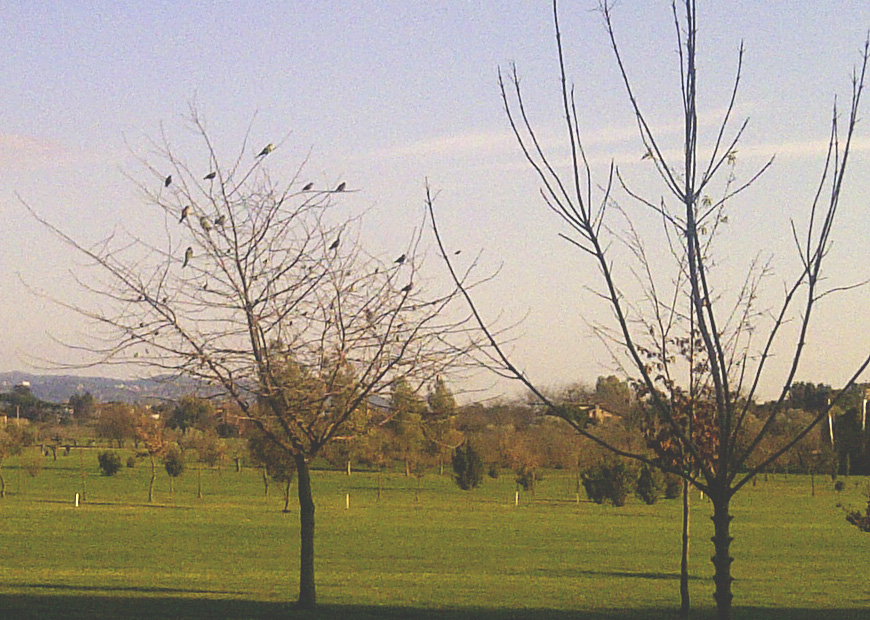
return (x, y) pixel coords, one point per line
(400, 260)
(184, 213)
(188, 254)
(341, 187)
(206, 225)
(209, 176)
(335, 243)
(266, 150)
(167, 181)
(307, 187)
(219, 222)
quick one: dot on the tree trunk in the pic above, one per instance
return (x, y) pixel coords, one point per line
(287, 495)
(199, 482)
(265, 482)
(2, 486)
(684, 560)
(307, 594)
(348, 467)
(722, 544)
(153, 477)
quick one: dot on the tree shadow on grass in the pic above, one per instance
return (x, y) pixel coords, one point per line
(59, 602)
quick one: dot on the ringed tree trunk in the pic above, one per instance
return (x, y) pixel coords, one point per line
(307, 593)
(721, 500)
(684, 560)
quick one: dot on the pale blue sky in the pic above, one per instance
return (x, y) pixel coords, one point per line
(385, 94)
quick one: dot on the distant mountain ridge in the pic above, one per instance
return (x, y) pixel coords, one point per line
(58, 388)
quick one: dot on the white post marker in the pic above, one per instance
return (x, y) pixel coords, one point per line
(77, 500)
(347, 502)
(517, 499)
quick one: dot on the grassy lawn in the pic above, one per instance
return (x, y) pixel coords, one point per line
(234, 554)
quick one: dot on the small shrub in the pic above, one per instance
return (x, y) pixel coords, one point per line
(594, 484)
(619, 483)
(607, 481)
(862, 522)
(839, 485)
(131, 462)
(110, 462)
(493, 471)
(174, 461)
(467, 467)
(650, 484)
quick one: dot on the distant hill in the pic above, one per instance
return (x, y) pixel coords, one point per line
(58, 388)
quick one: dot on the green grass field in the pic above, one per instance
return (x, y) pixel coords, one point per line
(234, 554)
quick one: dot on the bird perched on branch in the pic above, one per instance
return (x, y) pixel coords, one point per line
(335, 243)
(184, 213)
(307, 187)
(167, 181)
(206, 225)
(188, 254)
(209, 176)
(341, 187)
(400, 260)
(407, 287)
(266, 150)
(219, 222)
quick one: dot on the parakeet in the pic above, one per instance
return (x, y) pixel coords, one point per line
(307, 187)
(209, 176)
(407, 288)
(206, 225)
(219, 222)
(184, 213)
(341, 187)
(167, 181)
(335, 243)
(266, 150)
(400, 260)
(188, 254)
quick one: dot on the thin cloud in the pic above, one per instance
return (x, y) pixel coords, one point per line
(461, 144)
(33, 152)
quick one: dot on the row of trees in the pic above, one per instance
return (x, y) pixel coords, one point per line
(420, 433)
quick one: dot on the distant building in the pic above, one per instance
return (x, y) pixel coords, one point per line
(598, 413)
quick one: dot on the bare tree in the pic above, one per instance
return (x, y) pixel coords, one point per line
(260, 291)
(697, 346)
